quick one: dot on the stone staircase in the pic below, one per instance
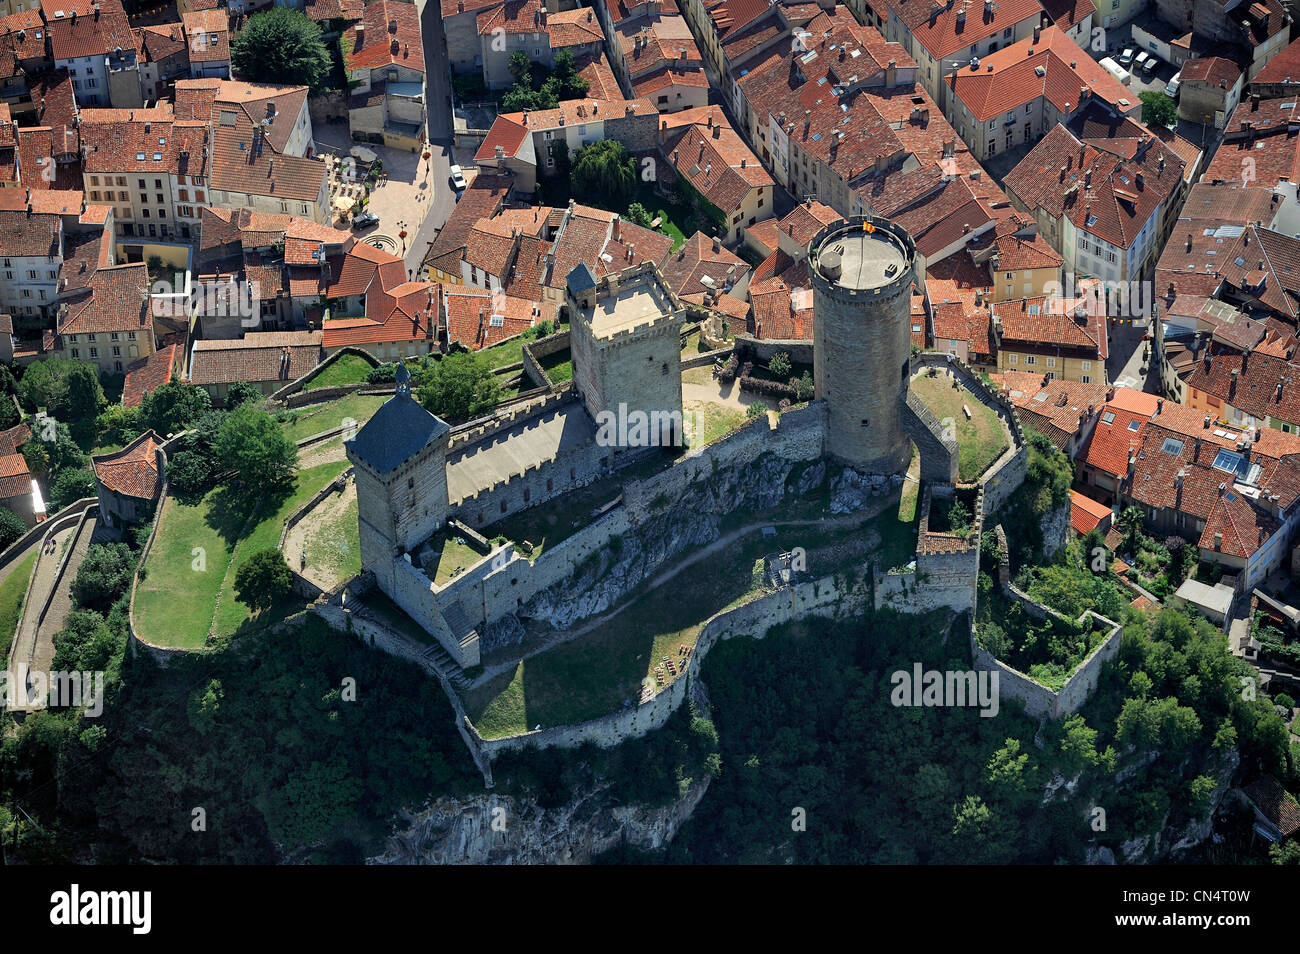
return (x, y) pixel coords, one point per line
(448, 666)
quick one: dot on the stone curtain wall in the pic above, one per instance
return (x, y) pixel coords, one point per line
(825, 597)
(1039, 700)
(501, 590)
(800, 350)
(293, 387)
(938, 453)
(534, 351)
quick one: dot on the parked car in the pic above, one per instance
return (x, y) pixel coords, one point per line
(1140, 61)
(364, 220)
(458, 178)
(1150, 65)
(1171, 88)
(1126, 57)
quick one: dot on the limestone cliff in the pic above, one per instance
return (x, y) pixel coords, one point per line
(454, 831)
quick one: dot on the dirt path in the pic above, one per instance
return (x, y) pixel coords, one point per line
(564, 636)
(699, 384)
(326, 452)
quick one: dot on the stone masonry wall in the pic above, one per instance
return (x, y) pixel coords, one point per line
(824, 598)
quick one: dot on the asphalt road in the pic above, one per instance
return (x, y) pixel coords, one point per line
(437, 89)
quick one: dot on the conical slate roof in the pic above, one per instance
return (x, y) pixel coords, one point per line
(399, 430)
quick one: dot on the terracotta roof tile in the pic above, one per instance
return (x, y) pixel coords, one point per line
(132, 471)
(147, 375)
(257, 357)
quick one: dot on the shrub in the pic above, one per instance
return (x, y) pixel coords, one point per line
(779, 364)
(263, 579)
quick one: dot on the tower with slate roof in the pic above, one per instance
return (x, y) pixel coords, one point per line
(400, 459)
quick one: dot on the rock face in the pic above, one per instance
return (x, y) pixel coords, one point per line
(693, 520)
(506, 631)
(1055, 525)
(852, 491)
(466, 830)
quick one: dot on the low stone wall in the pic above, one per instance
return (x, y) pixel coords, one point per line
(294, 387)
(800, 350)
(825, 597)
(706, 358)
(301, 585)
(534, 351)
(1040, 701)
(19, 547)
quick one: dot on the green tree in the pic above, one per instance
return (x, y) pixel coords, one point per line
(118, 425)
(204, 703)
(189, 470)
(44, 382)
(804, 388)
(241, 392)
(559, 150)
(9, 413)
(1285, 853)
(71, 485)
(1158, 109)
(103, 575)
(282, 46)
(459, 387)
(174, 407)
(605, 168)
(638, 214)
(779, 364)
(521, 68)
(263, 579)
(519, 98)
(253, 444)
(567, 83)
(1130, 522)
(11, 528)
(755, 410)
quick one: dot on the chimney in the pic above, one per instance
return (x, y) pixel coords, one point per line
(1037, 33)
(717, 131)
(1254, 102)
(361, 36)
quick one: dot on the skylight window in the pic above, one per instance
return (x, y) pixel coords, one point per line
(1172, 446)
(1092, 220)
(139, 157)
(1134, 425)
(1035, 309)
(1242, 469)
(817, 137)
(1108, 417)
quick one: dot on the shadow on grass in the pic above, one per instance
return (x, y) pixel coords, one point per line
(232, 505)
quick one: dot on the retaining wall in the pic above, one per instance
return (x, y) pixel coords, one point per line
(825, 597)
(295, 386)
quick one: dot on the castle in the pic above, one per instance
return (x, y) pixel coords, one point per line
(417, 477)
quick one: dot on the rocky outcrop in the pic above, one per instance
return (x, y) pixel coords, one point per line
(693, 520)
(1055, 526)
(492, 829)
(852, 491)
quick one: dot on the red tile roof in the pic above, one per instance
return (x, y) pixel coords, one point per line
(15, 480)
(698, 258)
(944, 31)
(1054, 69)
(257, 357)
(116, 299)
(470, 312)
(781, 297)
(147, 375)
(1214, 70)
(132, 471)
(1085, 513)
(1275, 803)
(391, 38)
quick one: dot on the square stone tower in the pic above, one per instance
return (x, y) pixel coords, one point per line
(400, 457)
(626, 347)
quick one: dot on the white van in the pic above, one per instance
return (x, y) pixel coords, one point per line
(1115, 70)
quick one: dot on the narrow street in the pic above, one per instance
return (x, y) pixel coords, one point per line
(437, 92)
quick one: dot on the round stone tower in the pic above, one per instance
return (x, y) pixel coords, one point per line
(861, 272)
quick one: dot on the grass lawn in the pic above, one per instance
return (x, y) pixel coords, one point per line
(500, 355)
(547, 524)
(177, 602)
(12, 591)
(184, 570)
(558, 366)
(679, 223)
(330, 414)
(709, 422)
(981, 439)
(595, 673)
(453, 556)
(336, 543)
(346, 369)
(262, 531)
